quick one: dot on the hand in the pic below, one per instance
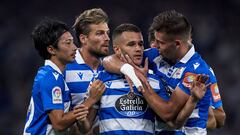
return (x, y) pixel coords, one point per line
(96, 90)
(130, 83)
(143, 70)
(198, 87)
(80, 112)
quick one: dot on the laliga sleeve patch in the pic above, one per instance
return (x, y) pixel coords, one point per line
(188, 79)
(215, 92)
(57, 95)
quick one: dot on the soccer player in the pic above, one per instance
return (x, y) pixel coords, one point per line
(178, 65)
(92, 32)
(123, 111)
(48, 112)
(216, 115)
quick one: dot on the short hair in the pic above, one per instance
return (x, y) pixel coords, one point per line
(151, 36)
(126, 27)
(172, 24)
(47, 33)
(91, 16)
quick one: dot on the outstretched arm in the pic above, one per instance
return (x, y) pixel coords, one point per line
(112, 64)
(198, 90)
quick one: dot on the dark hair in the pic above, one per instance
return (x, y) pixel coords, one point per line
(47, 33)
(126, 27)
(91, 16)
(151, 36)
(172, 23)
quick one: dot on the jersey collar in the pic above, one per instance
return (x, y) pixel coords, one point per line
(188, 55)
(79, 58)
(54, 66)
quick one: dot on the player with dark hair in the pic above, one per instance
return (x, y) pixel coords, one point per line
(48, 112)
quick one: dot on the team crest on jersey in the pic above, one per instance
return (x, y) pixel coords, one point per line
(188, 79)
(131, 105)
(215, 92)
(56, 95)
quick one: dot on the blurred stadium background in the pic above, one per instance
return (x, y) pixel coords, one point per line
(216, 38)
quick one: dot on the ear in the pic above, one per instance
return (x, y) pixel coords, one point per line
(178, 43)
(116, 49)
(83, 39)
(51, 50)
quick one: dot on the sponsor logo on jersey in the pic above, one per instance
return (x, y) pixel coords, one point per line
(188, 79)
(131, 105)
(215, 92)
(80, 74)
(57, 95)
(196, 65)
(178, 73)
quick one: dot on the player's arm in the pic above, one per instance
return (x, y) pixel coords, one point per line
(198, 90)
(211, 123)
(60, 120)
(167, 110)
(220, 116)
(112, 64)
(95, 93)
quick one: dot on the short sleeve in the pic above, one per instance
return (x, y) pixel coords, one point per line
(51, 91)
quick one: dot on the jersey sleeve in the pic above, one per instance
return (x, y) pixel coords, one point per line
(190, 74)
(51, 92)
(216, 100)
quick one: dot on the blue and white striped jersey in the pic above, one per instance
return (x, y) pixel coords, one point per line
(78, 77)
(181, 74)
(49, 92)
(122, 112)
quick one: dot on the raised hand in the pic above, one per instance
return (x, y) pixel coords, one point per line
(96, 90)
(198, 87)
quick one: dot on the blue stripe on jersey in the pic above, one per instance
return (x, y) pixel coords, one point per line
(123, 132)
(114, 114)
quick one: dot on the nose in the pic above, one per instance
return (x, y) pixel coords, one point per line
(106, 37)
(139, 47)
(74, 47)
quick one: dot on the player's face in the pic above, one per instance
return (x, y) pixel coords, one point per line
(98, 39)
(167, 48)
(131, 43)
(66, 48)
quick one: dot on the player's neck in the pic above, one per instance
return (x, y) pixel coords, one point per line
(58, 63)
(89, 59)
(184, 50)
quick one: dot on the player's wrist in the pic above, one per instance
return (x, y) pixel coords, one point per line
(89, 102)
(128, 70)
(193, 99)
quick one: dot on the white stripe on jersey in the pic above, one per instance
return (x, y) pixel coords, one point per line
(109, 100)
(126, 124)
(79, 75)
(153, 83)
(194, 131)
(31, 108)
(195, 113)
(116, 84)
(77, 98)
